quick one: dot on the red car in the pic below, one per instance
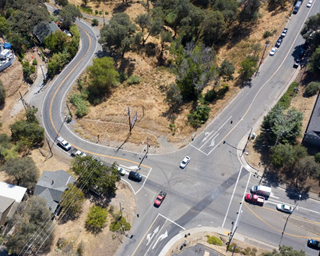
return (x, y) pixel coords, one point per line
(160, 198)
(255, 199)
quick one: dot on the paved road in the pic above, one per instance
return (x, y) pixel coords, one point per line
(208, 191)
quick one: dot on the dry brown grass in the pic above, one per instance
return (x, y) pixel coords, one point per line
(109, 119)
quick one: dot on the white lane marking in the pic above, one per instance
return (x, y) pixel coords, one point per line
(234, 189)
(144, 181)
(151, 235)
(171, 221)
(160, 238)
(199, 150)
(217, 130)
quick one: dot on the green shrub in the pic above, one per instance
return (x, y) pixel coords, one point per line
(317, 157)
(80, 104)
(286, 98)
(122, 77)
(214, 240)
(86, 9)
(96, 12)
(222, 91)
(199, 116)
(106, 13)
(95, 22)
(33, 69)
(210, 95)
(26, 64)
(34, 62)
(134, 80)
(312, 89)
(232, 247)
(116, 225)
(266, 34)
(100, 12)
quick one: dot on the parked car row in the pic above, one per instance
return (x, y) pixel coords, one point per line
(279, 41)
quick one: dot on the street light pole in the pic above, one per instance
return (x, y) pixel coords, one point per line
(285, 225)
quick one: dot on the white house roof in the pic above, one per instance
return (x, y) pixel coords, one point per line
(12, 191)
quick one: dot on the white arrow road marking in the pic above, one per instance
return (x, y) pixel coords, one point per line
(206, 135)
(212, 141)
(160, 238)
(149, 236)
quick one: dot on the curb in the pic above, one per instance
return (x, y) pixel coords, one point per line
(219, 230)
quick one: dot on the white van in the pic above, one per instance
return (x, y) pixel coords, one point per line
(261, 190)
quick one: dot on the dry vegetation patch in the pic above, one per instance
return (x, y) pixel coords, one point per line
(109, 120)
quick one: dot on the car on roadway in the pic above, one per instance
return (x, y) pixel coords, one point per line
(273, 51)
(78, 153)
(285, 208)
(64, 144)
(67, 33)
(309, 3)
(284, 32)
(162, 195)
(121, 171)
(254, 199)
(313, 244)
(296, 63)
(278, 43)
(184, 162)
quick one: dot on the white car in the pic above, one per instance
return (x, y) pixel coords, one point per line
(121, 171)
(273, 51)
(67, 33)
(285, 208)
(309, 3)
(184, 162)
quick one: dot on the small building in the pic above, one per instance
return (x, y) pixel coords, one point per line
(312, 134)
(51, 186)
(44, 29)
(10, 197)
(5, 207)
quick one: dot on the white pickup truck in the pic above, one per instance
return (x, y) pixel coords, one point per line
(64, 144)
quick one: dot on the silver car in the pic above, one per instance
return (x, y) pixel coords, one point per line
(184, 162)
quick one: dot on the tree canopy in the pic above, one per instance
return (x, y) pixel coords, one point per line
(96, 219)
(103, 77)
(28, 132)
(281, 126)
(69, 13)
(23, 169)
(118, 35)
(195, 70)
(72, 201)
(93, 174)
(2, 94)
(213, 27)
(30, 218)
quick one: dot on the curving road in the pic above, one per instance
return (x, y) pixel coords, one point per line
(208, 191)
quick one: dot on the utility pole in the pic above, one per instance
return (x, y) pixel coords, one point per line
(44, 78)
(235, 225)
(23, 101)
(130, 127)
(285, 225)
(145, 155)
